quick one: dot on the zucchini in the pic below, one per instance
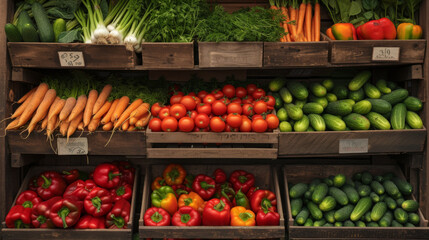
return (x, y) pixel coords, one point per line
(315, 212)
(400, 215)
(378, 211)
(343, 213)
(371, 91)
(396, 96)
(320, 193)
(296, 206)
(298, 190)
(317, 122)
(12, 33)
(359, 80)
(339, 195)
(399, 114)
(46, 31)
(351, 193)
(361, 208)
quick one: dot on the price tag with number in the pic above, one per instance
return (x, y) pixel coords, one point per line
(71, 59)
(353, 146)
(385, 54)
(75, 146)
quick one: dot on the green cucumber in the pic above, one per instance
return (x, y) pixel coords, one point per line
(331, 97)
(285, 127)
(392, 85)
(328, 204)
(382, 86)
(29, 33)
(374, 197)
(373, 224)
(357, 176)
(351, 193)
(378, 211)
(312, 107)
(309, 222)
(356, 121)
(338, 224)
(398, 116)
(371, 91)
(414, 120)
(315, 212)
(320, 100)
(340, 91)
(314, 184)
(286, 95)
(334, 123)
(46, 31)
(339, 180)
(360, 224)
(364, 190)
(319, 223)
(302, 216)
(391, 204)
(300, 103)
(414, 218)
(12, 33)
(328, 182)
(330, 216)
(396, 96)
(317, 122)
(298, 90)
(380, 106)
(396, 224)
(349, 223)
(366, 178)
(339, 195)
(294, 112)
(410, 205)
(23, 19)
(320, 191)
(391, 189)
(400, 215)
(403, 186)
(357, 95)
(359, 80)
(59, 26)
(328, 84)
(302, 124)
(296, 206)
(378, 121)
(386, 220)
(318, 89)
(298, 190)
(343, 213)
(409, 225)
(361, 208)
(341, 108)
(276, 84)
(367, 217)
(413, 104)
(377, 187)
(282, 114)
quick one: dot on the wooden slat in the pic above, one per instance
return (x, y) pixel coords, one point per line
(230, 54)
(45, 55)
(26, 76)
(254, 153)
(168, 55)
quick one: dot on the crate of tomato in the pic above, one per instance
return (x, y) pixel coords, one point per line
(211, 201)
(74, 203)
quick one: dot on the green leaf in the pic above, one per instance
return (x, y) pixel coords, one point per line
(368, 15)
(70, 36)
(344, 6)
(369, 4)
(104, 6)
(357, 20)
(57, 12)
(355, 8)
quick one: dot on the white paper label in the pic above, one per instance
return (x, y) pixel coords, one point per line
(75, 146)
(353, 145)
(71, 59)
(389, 54)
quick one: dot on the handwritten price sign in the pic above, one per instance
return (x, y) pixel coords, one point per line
(385, 54)
(71, 59)
(353, 146)
(75, 146)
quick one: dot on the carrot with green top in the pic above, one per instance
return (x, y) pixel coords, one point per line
(78, 108)
(67, 109)
(34, 103)
(103, 110)
(126, 114)
(73, 125)
(308, 21)
(317, 21)
(108, 116)
(92, 97)
(93, 125)
(64, 127)
(300, 23)
(120, 108)
(102, 98)
(42, 110)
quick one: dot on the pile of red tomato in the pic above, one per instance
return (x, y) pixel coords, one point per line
(230, 109)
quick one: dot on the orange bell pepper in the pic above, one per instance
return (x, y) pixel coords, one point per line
(164, 198)
(157, 183)
(240, 216)
(192, 200)
(343, 31)
(174, 174)
(409, 31)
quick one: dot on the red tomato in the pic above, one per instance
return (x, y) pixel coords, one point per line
(192, 94)
(259, 125)
(218, 108)
(197, 100)
(234, 120)
(155, 109)
(270, 100)
(260, 107)
(202, 120)
(248, 109)
(164, 112)
(240, 92)
(188, 102)
(217, 124)
(209, 98)
(202, 94)
(258, 93)
(172, 90)
(246, 124)
(236, 100)
(257, 116)
(247, 99)
(225, 100)
(229, 91)
(204, 108)
(155, 124)
(193, 114)
(178, 110)
(175, 99)
(186, 124)
(235, 108)
(197, 129)
(230, 129)
(251, 88)
(169, 124)
(218, 94)
(272, 121)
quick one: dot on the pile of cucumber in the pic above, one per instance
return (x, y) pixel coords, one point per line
(363, 201)
(359, 105)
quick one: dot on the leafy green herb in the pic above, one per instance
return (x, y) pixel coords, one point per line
(70, 36)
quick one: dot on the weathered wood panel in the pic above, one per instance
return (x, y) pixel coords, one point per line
(168, 55)
(265, 177)
(45, 55)
(230, 54)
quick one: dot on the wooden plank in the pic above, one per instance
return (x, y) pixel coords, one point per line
(246, 153)
(26, 76)
(266, 178)
(230, 54)
(379, 141)
(45, 55)
(168, 55)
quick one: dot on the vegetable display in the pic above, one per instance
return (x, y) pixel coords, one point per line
(363, 200)
(82, 204)
(212, 203)
(342, 106)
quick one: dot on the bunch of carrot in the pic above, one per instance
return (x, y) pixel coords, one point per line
(301, 23)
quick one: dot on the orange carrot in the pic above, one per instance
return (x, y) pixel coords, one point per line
(43, 109)
(120, 108)
(64, 127)
(142, 109)
(133, 120)
(68, 107)
(108, 126)
(285, 25)
(93, 125)
(104, 94)
(317, 21)
(103, 110)
(44, 123)
(92, 97)
(293, 18)
(125, 125)
(131, 128)
(73, 125)
(51, 126)
(79, 107)
(126, 114)
(56, 108)
(143, 121)
(308, 16)
(80, 126)
(27, 95)
(109, 114)
(12, 125)
(34, 103)
(301, 15)
(21, 108)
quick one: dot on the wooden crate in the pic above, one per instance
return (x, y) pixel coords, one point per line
(328, 143)
(296, 54)
(230, 54)
(45, 55)
(168, 55)
(57, 233)
(207, 145)
(265, 178)
(304, 173)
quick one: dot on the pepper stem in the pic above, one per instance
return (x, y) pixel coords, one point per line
(66, 173)
(19, 224)
(47, 182)
(27, 204)
(184, 218)
(266, 204)
(156, 217)
(220, 206)
(113, 175)
(96, 202)
(205, 185)
(41, 219)
(242, 179)
(187, 201)
(119, 221)
(174, 174)
(120, 191)
(244, 216)
(63, 214)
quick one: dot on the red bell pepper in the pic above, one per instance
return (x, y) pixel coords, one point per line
(156, 217)
(70, 176)
(79, 189)
(227, 201)
(251, 191)
(51, 184)
(186, 216)
(216, 213)
(267, 218)
(342, 31)
(224, 190)
(263, 199)
(242, 180)
(204, 186)
(28, 199)
(66, 212)
(107, 175)
(181, 189)
(127, 171)
(122, 192)
(98, 202)
(40, 214)
(32, 184)
(119, 216)
(18, 217)
(90, 222)
(379, 29)
(219, 176)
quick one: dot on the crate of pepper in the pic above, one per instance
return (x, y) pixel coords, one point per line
(211, 201)
(74, 203)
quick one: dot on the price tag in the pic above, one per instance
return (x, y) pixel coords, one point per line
(75, 146)
(385, 54)
(353, 145)
(71, 59)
